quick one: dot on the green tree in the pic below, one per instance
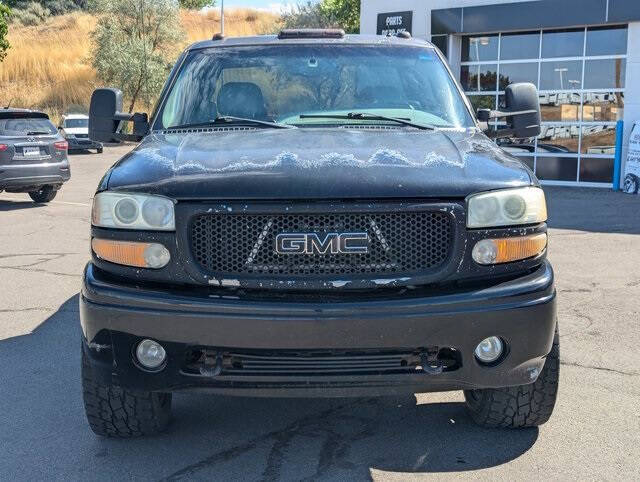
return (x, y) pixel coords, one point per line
(345, 12)
(5, 13)
(135, 42)
(325, 14)
(196, 4)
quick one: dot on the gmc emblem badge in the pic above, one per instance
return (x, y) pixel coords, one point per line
(331, 243)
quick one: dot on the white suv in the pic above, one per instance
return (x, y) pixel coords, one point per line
(75, 129)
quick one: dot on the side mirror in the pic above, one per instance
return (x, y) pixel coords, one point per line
(522, 112)
(106, 116)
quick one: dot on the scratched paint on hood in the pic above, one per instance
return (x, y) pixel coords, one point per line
(317, 163)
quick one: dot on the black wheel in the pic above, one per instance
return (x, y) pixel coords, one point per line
(631, 184)
(44, 194)
(113, 411)
(99, 150)
(522, 405)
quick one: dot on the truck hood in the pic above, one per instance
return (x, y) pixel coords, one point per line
(317, 163)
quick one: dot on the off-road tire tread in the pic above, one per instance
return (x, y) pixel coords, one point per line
(113, 411)
(523, 405)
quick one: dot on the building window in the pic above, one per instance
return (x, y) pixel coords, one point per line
(562, 43)
(441, 42)
(519, 45)
(580, 76)
(478, 49)
(606, 41)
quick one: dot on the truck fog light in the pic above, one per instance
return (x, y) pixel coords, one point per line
(489, 349)
(150, 354)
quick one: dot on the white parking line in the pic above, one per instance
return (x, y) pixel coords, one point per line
(50, 202)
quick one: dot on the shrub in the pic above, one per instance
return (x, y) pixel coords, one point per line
(31, 13)
(196, 4)
(55, 7)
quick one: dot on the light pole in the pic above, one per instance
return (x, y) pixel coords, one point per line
(484, 41)
(222, 17)
(560, 72)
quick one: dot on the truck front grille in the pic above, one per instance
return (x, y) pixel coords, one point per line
(399, 243)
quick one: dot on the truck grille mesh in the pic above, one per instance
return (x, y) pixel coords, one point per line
(399, 243)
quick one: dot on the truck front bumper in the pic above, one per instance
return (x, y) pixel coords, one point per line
(116, 317)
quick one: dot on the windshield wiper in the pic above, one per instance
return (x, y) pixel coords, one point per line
(232, 120)
(365, 116)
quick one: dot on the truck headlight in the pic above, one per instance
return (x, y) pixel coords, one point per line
(133, 211)
(507, 207)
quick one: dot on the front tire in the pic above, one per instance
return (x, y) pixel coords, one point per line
(520, 406)
(113, 411)
(99, 150)
(44, 194)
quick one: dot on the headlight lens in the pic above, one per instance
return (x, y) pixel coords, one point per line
(132, 211)
(126, 211)
(157, 212)
(508, 207)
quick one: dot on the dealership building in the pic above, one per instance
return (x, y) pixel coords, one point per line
(582, 55)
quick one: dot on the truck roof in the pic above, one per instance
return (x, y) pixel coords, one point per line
(349, 39)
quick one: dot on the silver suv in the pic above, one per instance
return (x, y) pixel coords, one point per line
(33, 155)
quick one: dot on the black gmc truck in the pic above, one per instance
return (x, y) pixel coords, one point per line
(317, 214)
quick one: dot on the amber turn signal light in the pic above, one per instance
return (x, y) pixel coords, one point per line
(131, 253)
(505, 250)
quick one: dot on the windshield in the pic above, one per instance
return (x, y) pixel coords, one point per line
(73, 123)
(279, 83)
(26, 126)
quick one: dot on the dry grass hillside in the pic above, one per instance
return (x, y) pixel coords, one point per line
(48, 66)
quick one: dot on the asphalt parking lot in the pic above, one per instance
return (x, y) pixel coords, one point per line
(593, 434)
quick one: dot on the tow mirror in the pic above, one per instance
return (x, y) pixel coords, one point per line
(522, 112)
(106, 117)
